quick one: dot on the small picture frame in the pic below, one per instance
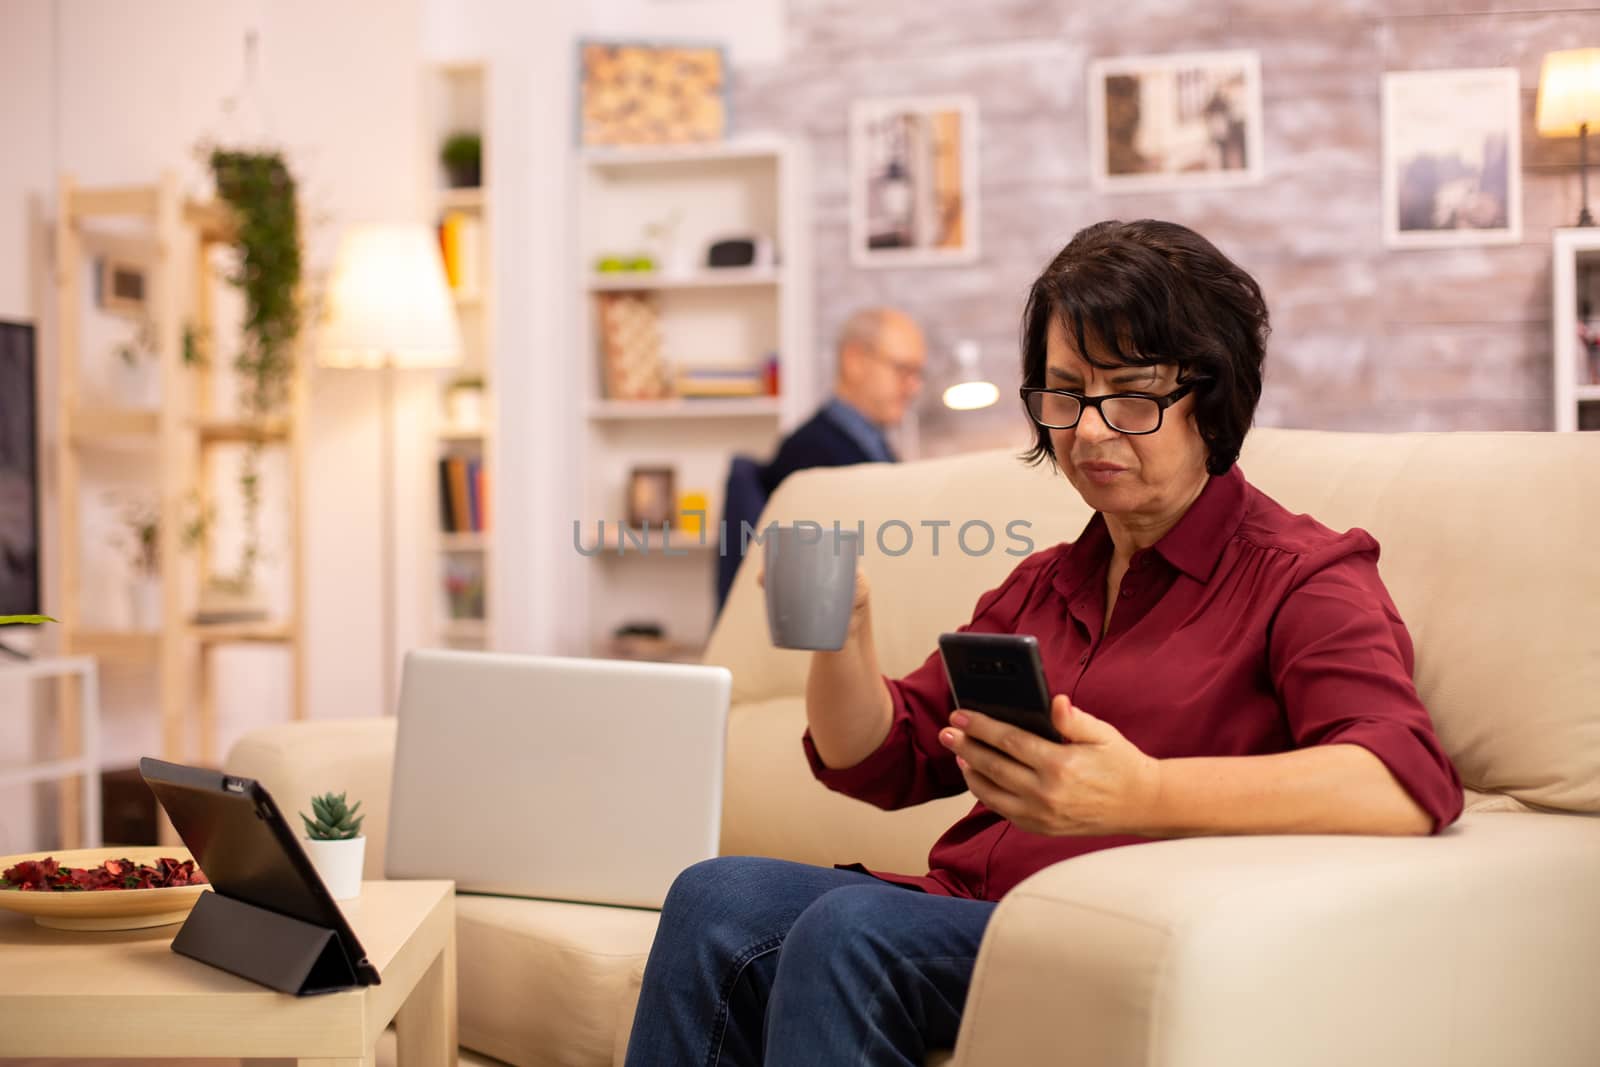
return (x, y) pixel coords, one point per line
(914, 181)
(649, 93)
(121, 286)
(1452, 158)
(652, 496)
(1177, 121)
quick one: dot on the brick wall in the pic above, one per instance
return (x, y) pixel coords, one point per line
(1365, 337)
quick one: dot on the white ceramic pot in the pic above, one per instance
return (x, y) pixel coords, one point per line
(144, 602)
(339, 863)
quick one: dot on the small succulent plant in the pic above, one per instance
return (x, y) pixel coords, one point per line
(335, 821)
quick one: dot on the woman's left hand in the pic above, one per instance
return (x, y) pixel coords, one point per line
(1097, 782)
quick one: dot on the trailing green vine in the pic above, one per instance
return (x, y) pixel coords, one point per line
(261, 191)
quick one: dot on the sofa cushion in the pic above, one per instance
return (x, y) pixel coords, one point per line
(1487, 543)
(298, 760)
(544, 983)
(772, 806)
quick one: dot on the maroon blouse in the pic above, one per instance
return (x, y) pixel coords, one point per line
(1246, 630)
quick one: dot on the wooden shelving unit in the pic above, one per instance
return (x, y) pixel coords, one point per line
(184, 433)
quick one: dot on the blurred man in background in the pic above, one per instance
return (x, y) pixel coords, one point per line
(881, 358)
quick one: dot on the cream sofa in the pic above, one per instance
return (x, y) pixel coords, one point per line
(1480, 946)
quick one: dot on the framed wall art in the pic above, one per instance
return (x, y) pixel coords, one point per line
(1452, 158)
(1175, 121)
(640, 93)
(652, 496)
(913, 181)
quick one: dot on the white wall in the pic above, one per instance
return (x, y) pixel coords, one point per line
(474, 29)
(25, 80)
(114, 93)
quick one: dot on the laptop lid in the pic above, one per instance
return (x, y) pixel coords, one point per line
(561, 778)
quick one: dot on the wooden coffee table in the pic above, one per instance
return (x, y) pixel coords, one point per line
(127, 994)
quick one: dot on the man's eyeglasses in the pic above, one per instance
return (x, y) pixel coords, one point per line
(1129, 413)
(910, 372)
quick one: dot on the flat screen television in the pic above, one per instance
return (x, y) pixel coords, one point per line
(19, 472)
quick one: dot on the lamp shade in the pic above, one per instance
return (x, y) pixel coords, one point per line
(1569, 92)
(969, 389)
(388, 302)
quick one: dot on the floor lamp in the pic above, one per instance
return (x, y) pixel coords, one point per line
(389, 308)
(1568, 104)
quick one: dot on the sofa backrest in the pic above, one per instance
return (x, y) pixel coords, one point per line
(1490, 549)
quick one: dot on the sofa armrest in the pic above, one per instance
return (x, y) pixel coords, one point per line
(1480, 946)
(298, 760)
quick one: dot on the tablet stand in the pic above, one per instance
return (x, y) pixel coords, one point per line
(286, 954)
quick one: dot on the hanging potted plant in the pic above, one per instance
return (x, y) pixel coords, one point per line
(259, 188)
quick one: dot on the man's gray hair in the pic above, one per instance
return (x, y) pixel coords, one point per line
(865, 328)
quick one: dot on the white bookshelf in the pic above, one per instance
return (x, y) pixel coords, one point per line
(457, 99)
(696, 408)
(464, 631)
(709, 317)
(463, 434)
(718, 154)
(469, 199)
(720, 278)
(1575, 277)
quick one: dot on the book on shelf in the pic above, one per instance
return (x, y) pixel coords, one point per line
(463, 495)
(461, 243)
(720, 381)
(474, 519)
(481, 480)
(700, 391)
(459, 505)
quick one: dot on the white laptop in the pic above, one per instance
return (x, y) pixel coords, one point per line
(566, 779)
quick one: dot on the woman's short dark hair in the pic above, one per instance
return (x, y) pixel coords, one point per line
(1156, 292)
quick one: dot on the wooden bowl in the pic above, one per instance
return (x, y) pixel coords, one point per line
(112, 909)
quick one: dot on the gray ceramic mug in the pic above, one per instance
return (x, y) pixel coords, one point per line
(811, 585)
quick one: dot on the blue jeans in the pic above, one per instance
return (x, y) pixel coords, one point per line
(760, 961)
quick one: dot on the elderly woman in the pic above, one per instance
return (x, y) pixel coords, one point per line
(1224, 667)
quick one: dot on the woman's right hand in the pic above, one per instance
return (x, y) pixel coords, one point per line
(858, 605)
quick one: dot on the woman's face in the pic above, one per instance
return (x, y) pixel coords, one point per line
(1128, 476)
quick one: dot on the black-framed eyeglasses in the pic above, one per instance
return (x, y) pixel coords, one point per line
(910, 372)
(1129, 413)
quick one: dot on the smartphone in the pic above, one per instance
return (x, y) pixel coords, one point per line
(1001, 676)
